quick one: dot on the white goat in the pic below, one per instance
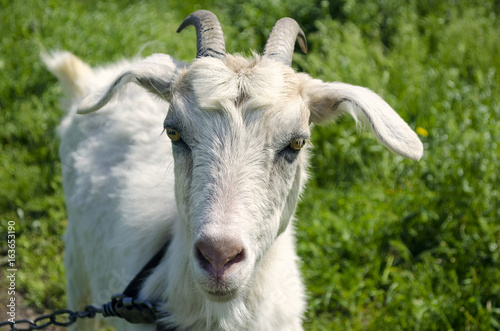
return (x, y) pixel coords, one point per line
(224, 190)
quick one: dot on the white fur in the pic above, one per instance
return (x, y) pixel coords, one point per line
(128, 189)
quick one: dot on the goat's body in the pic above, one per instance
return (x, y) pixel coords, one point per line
(108, 238)
(119, 186)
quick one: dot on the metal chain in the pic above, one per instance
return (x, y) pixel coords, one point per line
(125, 306)
(63, 318)
(130, 309)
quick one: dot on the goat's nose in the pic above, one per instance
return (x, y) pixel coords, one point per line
(216, 256)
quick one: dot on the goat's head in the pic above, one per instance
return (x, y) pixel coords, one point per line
(239, 130)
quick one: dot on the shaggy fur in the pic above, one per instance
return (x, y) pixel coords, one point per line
(232, 176)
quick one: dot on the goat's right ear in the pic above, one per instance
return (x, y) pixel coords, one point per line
(155, 73)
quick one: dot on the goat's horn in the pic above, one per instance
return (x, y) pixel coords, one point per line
(281, 41)
(209, 36)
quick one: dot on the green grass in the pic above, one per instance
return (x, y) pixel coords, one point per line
(386, 243)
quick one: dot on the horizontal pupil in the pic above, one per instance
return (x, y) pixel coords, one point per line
(298, 143)
(173, 134)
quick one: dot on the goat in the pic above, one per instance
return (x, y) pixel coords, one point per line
(223, 190)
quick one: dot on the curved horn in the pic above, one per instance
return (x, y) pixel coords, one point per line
(281, 41)
(209, 36)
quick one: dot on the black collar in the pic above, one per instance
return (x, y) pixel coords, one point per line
(128, 306)
(135, 285)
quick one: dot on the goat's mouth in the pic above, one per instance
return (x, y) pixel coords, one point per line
(221, 295)
(219, 290)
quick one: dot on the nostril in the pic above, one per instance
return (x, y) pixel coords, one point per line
(218, 256)
(201, 258)
(236, 258)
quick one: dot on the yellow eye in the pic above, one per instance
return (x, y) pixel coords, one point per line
(297, 144)
(173, 134)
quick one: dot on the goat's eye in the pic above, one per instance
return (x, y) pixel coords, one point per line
(173, 134)
(297, 144)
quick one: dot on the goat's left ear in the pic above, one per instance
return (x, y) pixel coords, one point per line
(155, 73)
(329, 100)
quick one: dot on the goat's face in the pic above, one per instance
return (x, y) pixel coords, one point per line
(238, 130)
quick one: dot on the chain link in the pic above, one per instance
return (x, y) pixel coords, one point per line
(63, 318)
